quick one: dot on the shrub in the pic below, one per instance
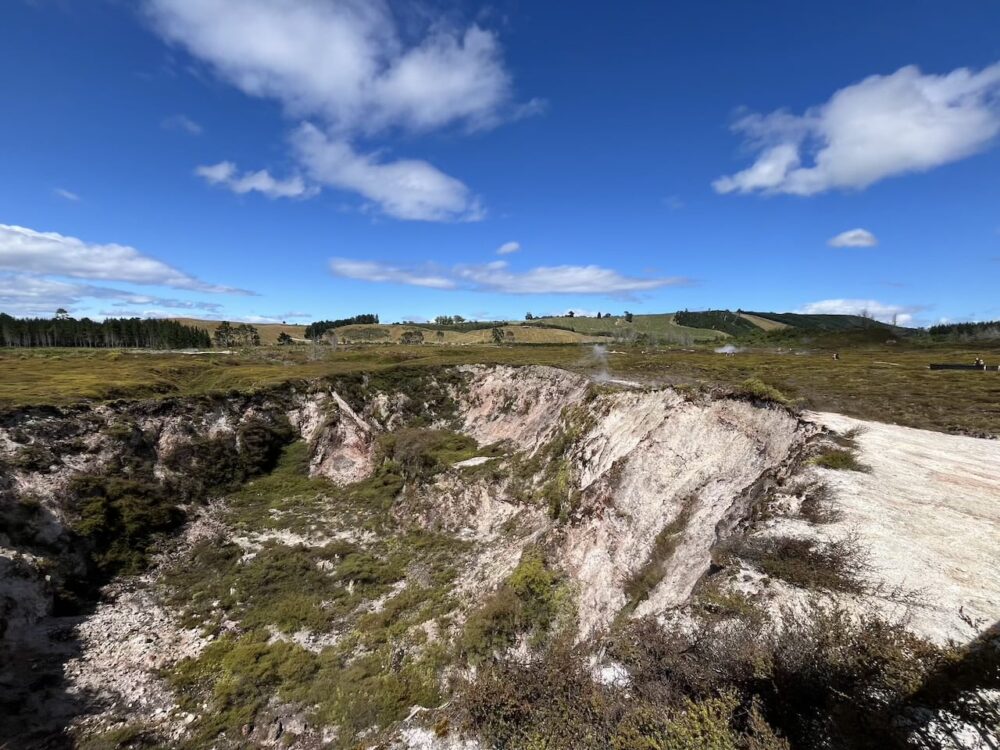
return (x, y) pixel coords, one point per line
(641, 584)
(527, 603)
(421, 453)
(839, 459)
(837, 565)
(119, 519)
(757, 390)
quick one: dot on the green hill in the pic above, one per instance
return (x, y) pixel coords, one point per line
(660, 328)
(822, 322)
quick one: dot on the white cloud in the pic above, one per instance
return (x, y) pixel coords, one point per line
(901, 314)
(854, 238)
(496, 276)
(28, 294)
(508, 247)
(67, 194)
(877, 128)
(365, 270)
(27, 251)
(225, 174)
(405, 188)
(182, 123)
(348, 66)
(345, 62)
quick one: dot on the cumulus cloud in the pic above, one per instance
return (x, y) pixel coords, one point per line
(854, 238)
(345, 62)
(28, 251)
(183, 124)
(226, 174)
(508, 247)
(497, 276)
(67, 194)
(898, 314)
(882, 126)
(405, 188)
(349, 68)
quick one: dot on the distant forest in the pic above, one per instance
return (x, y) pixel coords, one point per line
(317, 329)
(989, 329)
(113, 332)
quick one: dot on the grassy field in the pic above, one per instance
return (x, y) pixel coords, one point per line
(764, 323)
(269, 332)
(662, 327)
(889, 383)
(518, 334)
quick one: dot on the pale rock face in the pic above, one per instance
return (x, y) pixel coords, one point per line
(683, 462)
(519, 404)
(342, 441)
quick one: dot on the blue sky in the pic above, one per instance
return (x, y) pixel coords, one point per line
(304, 159)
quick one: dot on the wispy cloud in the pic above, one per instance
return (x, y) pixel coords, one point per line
(497, 276)
(674, 202)
(182, 124)
(366, 270)
(887, 313)
(509, 247)
(28, 251)
(352, 72)
(66, 194)
(226, 174)
(854, 238)
(877, 128)
(29, 294)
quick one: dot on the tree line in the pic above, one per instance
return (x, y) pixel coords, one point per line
(62, 330)
(316, 329)
(989, 329)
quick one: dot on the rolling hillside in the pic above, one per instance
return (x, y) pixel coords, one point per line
(268, 331)
(661, 328)
(681, 328)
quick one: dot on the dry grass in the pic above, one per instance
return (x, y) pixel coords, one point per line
(269, 332)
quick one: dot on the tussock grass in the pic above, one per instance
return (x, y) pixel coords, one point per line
(840, 459)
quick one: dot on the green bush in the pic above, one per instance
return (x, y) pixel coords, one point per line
(838, 565)
(839, 459)
(527, 603)
(119, 519)
(757, 390)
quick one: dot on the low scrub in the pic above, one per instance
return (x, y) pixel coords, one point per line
(639, 586)
(840, 459)
(838, 565)
(825, 681)
(755, 389)
(528, 603)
